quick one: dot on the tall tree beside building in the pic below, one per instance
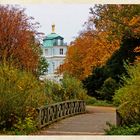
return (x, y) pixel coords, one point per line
(121, 22)
(17, 38)
(105, 28)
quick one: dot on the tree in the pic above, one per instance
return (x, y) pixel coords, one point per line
(86, 52)
(42, 67)
(121, 23)
(114, 69)
(116, 20)
(94, 81)
(125, 54)
(18, 34)
(106, 92)
(99, 52)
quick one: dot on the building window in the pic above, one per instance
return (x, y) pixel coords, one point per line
(54, 42)
(61, 51)
(59, 42)
(46, 52)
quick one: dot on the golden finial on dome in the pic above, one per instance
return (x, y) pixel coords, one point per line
(53, 28)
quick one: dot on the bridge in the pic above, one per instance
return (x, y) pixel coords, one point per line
(79, 119)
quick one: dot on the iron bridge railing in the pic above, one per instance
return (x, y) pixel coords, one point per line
(51, 113)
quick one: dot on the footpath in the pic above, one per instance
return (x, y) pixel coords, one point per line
(91, 123)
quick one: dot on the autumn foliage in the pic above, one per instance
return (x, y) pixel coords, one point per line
(17, 38)
(105, 29)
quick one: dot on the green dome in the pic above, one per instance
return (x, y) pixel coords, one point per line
(52, 36)
(50, 40)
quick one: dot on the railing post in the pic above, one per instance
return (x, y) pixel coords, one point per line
(39, 117)
(84, 106)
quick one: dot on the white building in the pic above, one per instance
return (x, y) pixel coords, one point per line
(54, 50)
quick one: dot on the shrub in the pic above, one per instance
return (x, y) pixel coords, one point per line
(93, 101)
(18, 91)
(53, 91)
(24, 126)
(94, 82)
(69, 88)
(90, 100)
(108, 88)
(73, 88)
(123, 130)
(128, 96)
(103, 103)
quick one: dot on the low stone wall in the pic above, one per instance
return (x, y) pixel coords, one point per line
(51, 113)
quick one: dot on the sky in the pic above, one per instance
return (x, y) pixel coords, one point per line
(68, 18)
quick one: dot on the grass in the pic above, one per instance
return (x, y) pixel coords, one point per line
(94, 102)
(102, 103)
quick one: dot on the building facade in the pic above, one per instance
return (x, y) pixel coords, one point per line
(54, 50)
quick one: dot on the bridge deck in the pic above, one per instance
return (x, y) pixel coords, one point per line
(91, 123)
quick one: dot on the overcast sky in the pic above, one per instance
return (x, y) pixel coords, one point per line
(67, 15)
(68, 18)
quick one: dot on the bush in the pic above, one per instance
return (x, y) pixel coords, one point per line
(73, 88)
(103, 103)
(128, 96)
(94, 102)
(69, 88)
(25, 126)
(53, 91)
(123, 130)
(90, 100)
(94, 82)
(19, 90)
(108, 88)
